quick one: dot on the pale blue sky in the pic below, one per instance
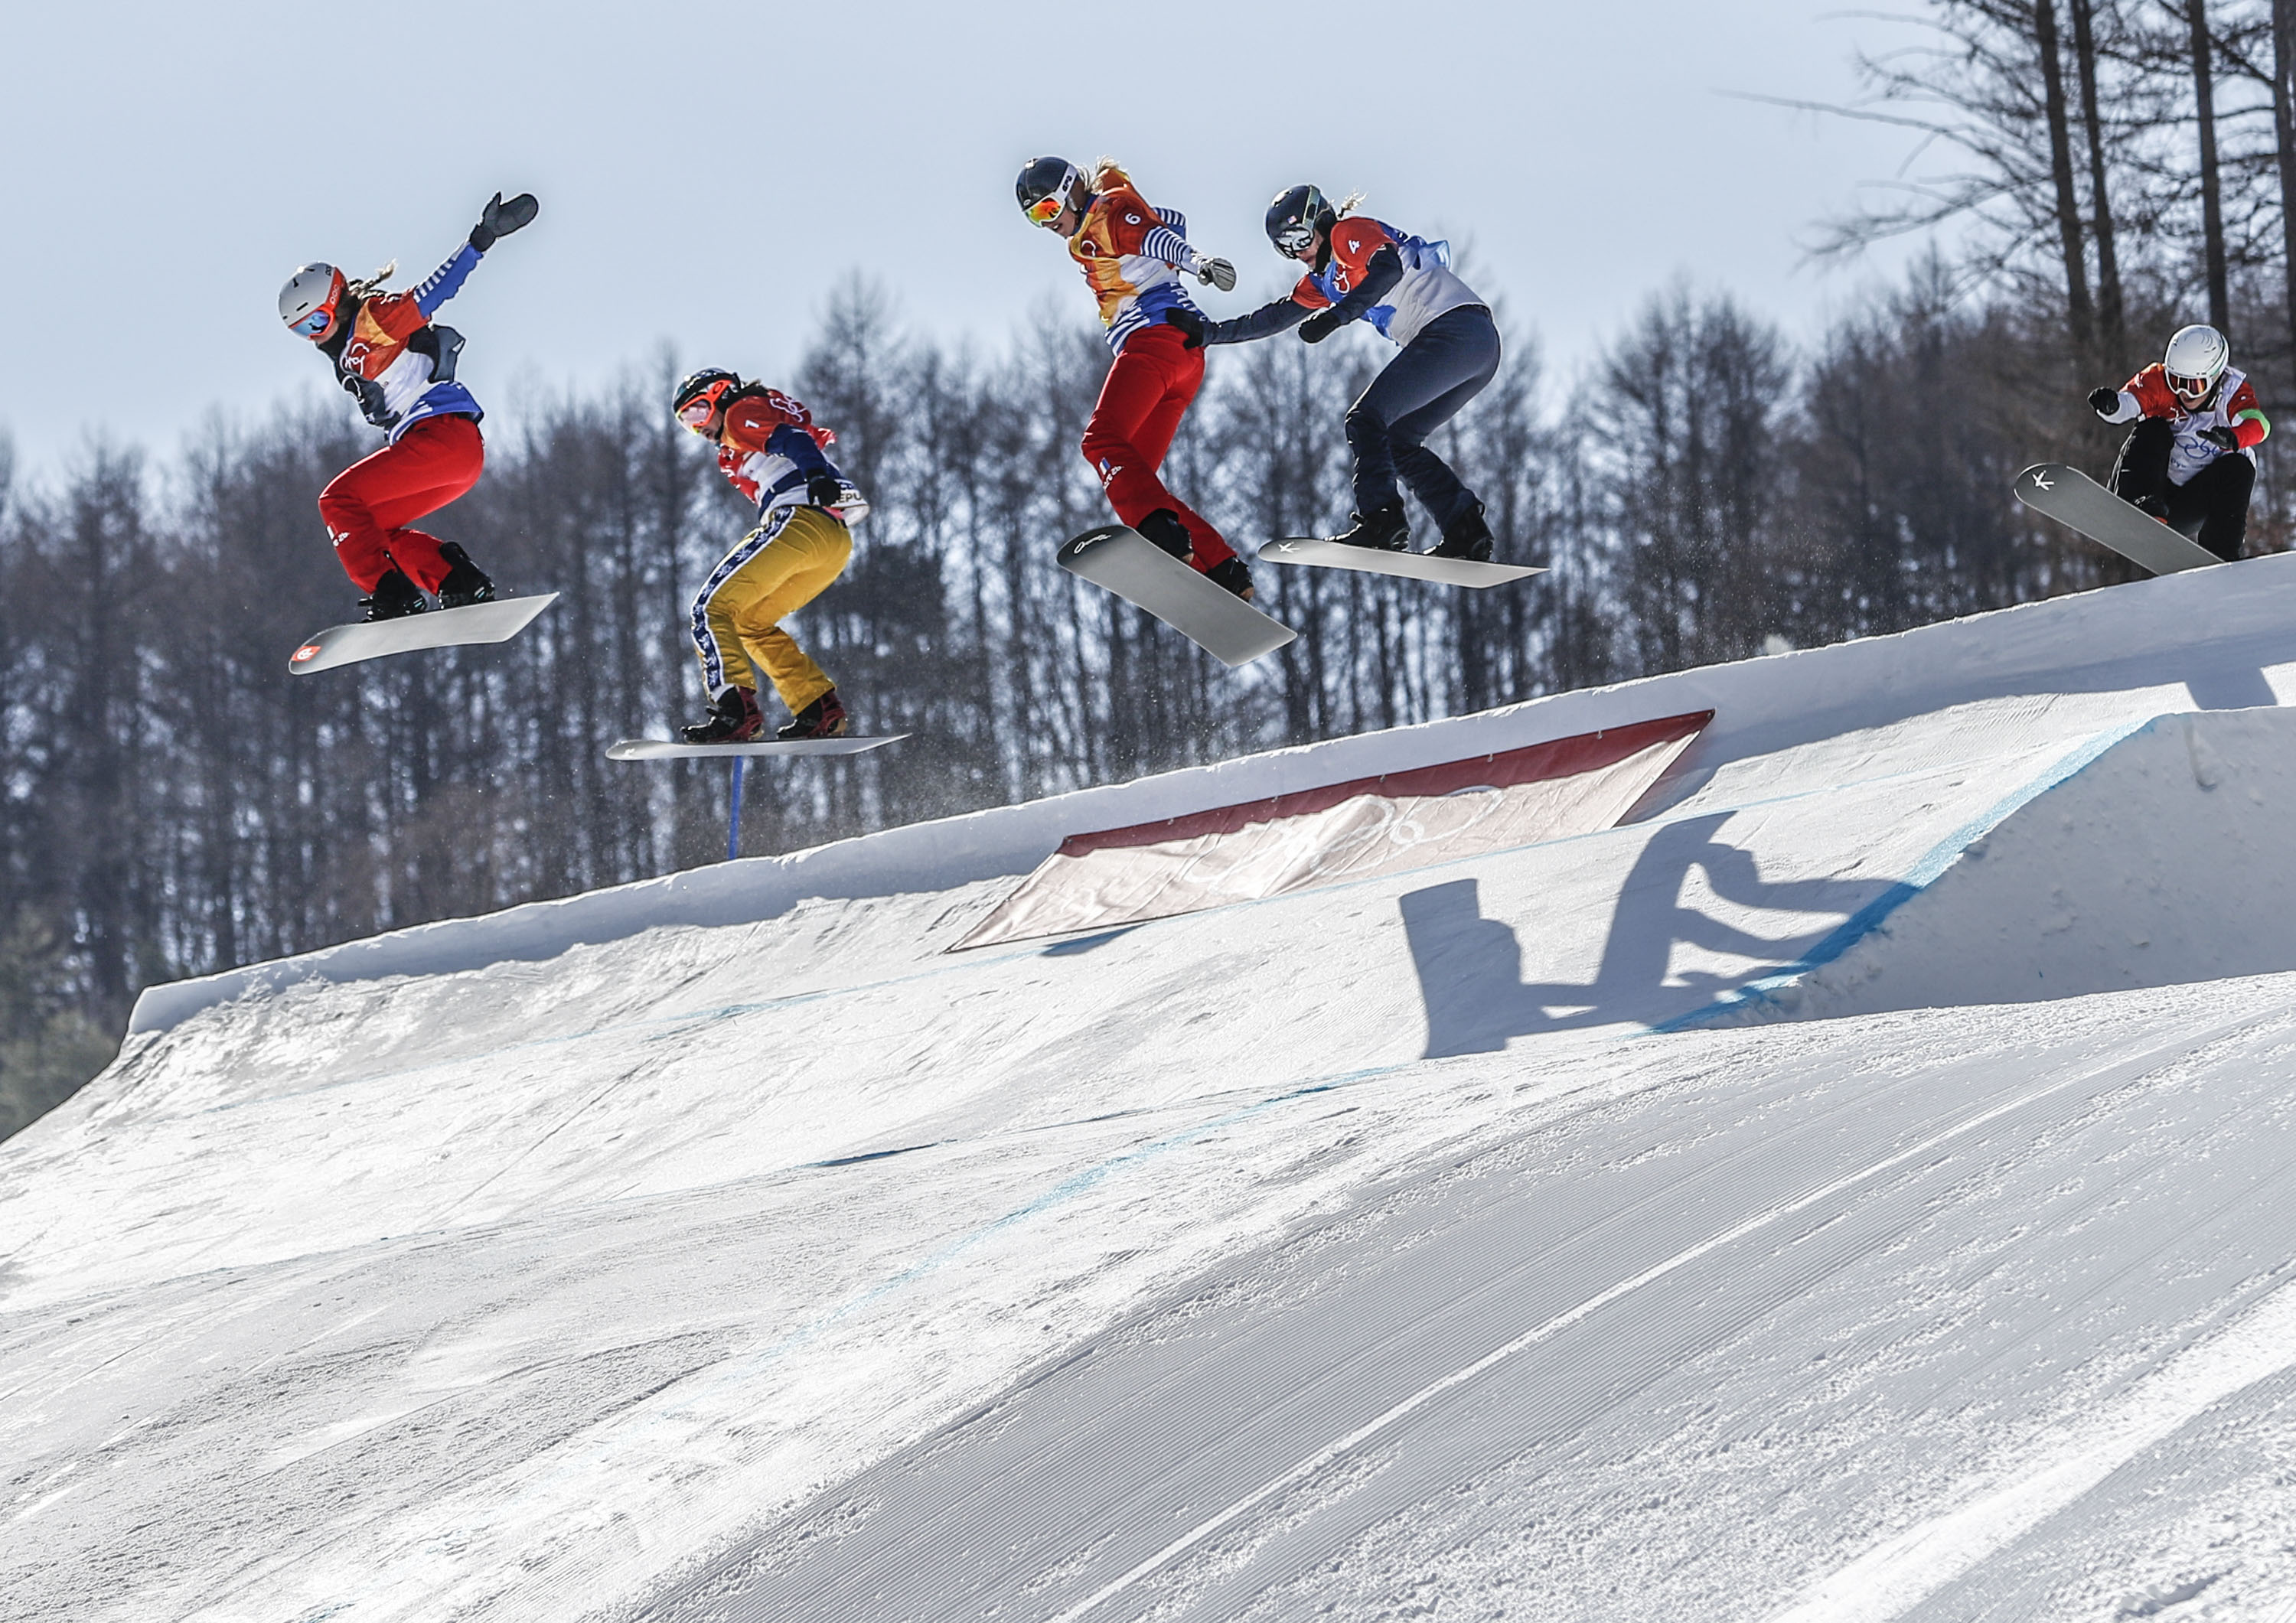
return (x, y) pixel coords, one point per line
(708, 172)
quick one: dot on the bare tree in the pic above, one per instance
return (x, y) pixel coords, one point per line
(2112, 308)
(2211, 192)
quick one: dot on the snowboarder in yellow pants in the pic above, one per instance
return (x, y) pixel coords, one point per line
(770, 447)
(779, 567)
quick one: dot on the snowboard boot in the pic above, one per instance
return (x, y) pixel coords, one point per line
(1163, 526)
(466, 583)
(1385, 529)
(1465, 536)
(395, 597)
(824, 717)
(1230, 572)
(735, 719)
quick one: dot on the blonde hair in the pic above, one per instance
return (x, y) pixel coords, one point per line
(368, 287)
(1350, 203)
(1105, 169)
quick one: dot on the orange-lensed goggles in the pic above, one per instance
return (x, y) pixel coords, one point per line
(2191, 389)
(696, 412)
(1048, 208)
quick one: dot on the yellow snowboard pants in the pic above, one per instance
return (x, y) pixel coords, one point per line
(777, 569)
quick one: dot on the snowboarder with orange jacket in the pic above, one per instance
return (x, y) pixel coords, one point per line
(1132, 254)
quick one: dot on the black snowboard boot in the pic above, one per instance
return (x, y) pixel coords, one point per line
(395, 597)
(1230, 573)
(1163, 526)
(1386, 529)
(735, 719)
(1465, 536)
(466, 583)
(824, 717)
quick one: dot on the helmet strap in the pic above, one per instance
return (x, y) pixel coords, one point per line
(331, 342)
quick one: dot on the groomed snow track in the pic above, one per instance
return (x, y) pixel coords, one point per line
(1860, 1185)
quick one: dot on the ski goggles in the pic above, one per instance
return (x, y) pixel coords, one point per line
(1048, 208)
(316, 323)
(1293, 239)
(696, 412)
(2191, 388)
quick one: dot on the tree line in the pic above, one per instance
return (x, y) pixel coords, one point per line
(172, 802)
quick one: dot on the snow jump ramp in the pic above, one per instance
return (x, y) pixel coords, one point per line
(1858, 1184)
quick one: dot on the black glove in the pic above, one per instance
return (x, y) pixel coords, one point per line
(823, 489)
(1191, 327)
(498, 219)
(2223, 439)
(2104, 402)
(1320, 326)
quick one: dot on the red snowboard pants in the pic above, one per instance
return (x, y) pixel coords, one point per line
(1139, 410)
(369, 504)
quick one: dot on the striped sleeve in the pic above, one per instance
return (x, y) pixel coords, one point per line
(443, 283)
(1162, 242)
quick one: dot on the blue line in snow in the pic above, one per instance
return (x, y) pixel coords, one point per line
(1925, 871)
(1067, 1189)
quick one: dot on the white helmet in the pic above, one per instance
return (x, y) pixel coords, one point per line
(306, 304)
(2196, 358)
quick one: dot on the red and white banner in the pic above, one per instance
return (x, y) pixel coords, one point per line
(1357, 830)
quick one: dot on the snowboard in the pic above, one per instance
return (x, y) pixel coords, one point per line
(494, 622)
(1412, 566)
(670, 749)
(1125, 563)
(2075, 500)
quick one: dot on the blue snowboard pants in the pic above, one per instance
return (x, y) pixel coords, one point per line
(1446, 365)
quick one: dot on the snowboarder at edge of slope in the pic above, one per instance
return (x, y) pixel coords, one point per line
(2191, 460)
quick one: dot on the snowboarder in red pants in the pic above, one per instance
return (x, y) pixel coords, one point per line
(399, 365)
(1131, 255)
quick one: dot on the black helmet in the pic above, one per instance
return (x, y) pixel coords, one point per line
(1296, 214)
(706, 388)
(1042, 178)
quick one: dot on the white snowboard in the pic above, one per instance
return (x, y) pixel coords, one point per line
(2075, 500)
(1145, 575)
(668, 750)
(1413, 566)
(494, 622)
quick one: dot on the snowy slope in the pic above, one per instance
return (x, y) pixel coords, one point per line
(1858, 1187)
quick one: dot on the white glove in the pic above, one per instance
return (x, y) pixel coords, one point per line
(1218, 273)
